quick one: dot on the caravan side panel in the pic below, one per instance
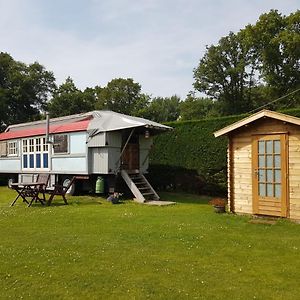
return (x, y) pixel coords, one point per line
(74, 162)
(113, 159)
(8, 165)
(104, 152)
(114, 139)
(78, 143)
(98, 140)
(69, 165)
(99, 160)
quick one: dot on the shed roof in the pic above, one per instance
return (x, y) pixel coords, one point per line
(93, 122)
(261, 114)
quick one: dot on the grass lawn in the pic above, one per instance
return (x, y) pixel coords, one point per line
(91, 249)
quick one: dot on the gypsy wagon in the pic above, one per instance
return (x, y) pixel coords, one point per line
(264, 164)
(97, 143)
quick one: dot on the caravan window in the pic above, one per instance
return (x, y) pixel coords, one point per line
(60, 143)
(3, 149)
(13, 148)
(35, 154)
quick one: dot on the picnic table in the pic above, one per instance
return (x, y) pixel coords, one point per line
(29, 190)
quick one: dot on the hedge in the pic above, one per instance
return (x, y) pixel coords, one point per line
(191, 146)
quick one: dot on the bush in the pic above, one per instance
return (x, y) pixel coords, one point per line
(171, 178)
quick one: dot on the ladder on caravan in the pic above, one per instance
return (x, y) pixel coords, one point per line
(139, 186)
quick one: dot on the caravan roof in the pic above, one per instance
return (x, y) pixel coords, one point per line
(93, 122)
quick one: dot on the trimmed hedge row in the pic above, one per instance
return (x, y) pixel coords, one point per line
(192, 146)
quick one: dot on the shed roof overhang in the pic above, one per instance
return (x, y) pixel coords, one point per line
(261, 114)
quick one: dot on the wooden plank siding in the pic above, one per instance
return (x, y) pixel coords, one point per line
(240, 166)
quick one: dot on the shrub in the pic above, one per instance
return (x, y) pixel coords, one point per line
(217, 202)
(172, 178)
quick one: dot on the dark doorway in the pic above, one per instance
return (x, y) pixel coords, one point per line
(130, 156)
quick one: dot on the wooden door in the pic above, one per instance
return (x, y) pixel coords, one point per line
(130, 157)
(269, 164)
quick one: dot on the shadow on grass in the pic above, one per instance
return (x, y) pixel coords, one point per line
(177, 197)
(184, 198)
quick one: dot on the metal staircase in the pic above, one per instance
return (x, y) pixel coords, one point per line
(139, 186)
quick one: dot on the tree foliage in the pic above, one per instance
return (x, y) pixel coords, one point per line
(225, 73)
(24, 90)
(275, 40)
(68, 100)
(162, 109)
(194, 108)
(121, 95)
(261, 61)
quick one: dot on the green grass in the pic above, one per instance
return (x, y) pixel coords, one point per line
(91, 249)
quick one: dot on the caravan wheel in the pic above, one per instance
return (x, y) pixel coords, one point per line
(71, 190)
(10, 181)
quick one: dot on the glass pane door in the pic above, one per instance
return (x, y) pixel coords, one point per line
(269, 168)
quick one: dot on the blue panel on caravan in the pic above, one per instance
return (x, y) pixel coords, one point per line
(38, 160)
(45, 159)
(31, 161)
(25, 162)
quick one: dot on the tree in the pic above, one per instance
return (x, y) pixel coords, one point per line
(162, 109)
(225, 73)
(121, 95)
(194, 108)
(254, 66)
(24, 90)
(68, 100)
(275, 40)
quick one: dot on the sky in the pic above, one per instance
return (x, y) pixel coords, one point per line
(158, 43)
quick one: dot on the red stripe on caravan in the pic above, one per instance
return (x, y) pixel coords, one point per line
(71, 127)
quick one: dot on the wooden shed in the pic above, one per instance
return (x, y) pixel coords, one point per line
(264, 165)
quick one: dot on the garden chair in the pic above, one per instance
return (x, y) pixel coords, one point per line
(59, 190)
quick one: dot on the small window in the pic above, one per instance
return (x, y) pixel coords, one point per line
(38, 145)
(60, 143)
(45, 145)
(31, 145)
(12, 148)
(3, 149)
(25, 147)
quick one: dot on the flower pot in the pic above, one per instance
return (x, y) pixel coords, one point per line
(219, 209)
